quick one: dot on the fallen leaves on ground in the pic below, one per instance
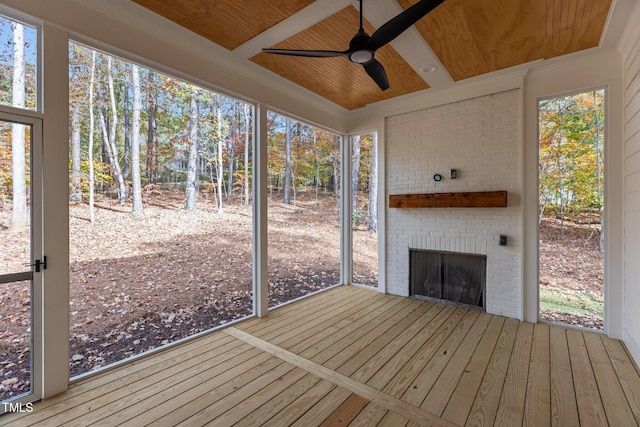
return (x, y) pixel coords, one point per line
(138, 282)
(571, 262)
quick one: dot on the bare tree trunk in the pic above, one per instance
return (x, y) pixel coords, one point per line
(76, 179)
(246, 154)
(232, 154)
(560, 185)
(287, 169)
(113, 158)
(126, 170)
(599, 170)
(191, 189)
(156, 151)
(220, 166)
(230, 172)
(110, 138)
(135, 142)
(91, 135)
(19, 214)
(104, 154)
(541, 213)
(151, 127)
(373, 187)
(355, 171)
(317, 159)
(336, 167)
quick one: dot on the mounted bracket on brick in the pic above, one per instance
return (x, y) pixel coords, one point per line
(478, 199)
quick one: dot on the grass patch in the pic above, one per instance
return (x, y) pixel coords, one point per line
(575, 302)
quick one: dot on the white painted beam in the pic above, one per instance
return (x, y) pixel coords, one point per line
(410, 44)
(300, 21)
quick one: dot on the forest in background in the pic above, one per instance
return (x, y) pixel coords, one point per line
(571, 208)
(571, 159)
(134, 128)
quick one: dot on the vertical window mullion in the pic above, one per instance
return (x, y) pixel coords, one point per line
(346, 264)
(260, 240)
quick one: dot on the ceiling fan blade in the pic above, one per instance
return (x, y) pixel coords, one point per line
(396, 26)
(377, 73)
(306, 53)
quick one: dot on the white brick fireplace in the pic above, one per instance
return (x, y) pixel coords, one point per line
(481, 139)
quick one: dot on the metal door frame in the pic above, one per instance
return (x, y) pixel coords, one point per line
(36, 277)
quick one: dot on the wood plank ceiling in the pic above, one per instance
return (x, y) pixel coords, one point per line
(469, 38)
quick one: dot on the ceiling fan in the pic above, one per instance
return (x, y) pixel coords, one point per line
(362, 47)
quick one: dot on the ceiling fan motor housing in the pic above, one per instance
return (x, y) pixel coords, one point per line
(357, 51)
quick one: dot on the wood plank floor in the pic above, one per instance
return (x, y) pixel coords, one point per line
(352, 356)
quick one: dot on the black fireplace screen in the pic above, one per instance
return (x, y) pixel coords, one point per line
(448, 276)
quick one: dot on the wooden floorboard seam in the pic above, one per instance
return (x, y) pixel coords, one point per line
(378, 360)
(376, 396)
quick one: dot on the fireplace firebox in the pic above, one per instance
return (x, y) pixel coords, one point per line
(448, 276)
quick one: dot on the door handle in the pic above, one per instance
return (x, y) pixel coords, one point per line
(39, 264)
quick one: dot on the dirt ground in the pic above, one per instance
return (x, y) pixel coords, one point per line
(571, 266)
(138, 282)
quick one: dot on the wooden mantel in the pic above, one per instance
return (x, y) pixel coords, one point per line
(478, 199)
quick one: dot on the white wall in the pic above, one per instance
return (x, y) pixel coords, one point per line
(584, 71)
(480, 138)
(631, 53)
